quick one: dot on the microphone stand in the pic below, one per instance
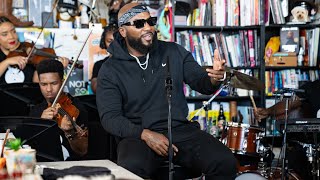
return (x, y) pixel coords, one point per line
(168, 85)
(284, 145)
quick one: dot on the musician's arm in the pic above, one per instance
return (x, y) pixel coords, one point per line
(278, 109)
(3, 67)
(35, 77)
(19, 61)
(79, 143)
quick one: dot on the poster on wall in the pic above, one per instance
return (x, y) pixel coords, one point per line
(75, 84)
(32, 35)
(95, 52)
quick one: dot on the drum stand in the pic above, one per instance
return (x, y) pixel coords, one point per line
(204, 106)
(313, 158)
(284, 168)
(284, 145)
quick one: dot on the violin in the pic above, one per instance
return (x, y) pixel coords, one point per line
(37, 55)
(66, 108)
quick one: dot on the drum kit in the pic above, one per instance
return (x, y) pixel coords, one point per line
(245, 140)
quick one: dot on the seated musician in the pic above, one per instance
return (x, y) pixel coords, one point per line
(105, 41)
(311, 99)
(306, 105)
(132, 101)
(75, 143)
(8, 43)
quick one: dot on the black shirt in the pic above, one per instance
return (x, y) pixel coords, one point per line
(82, 121)
(96, 67)
(312, 97)
(130, 99)
(28, 71)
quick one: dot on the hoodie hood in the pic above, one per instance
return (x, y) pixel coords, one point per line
(119, 51)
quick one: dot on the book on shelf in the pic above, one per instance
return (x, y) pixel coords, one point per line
(226, 13)
(288, 78)
(277, 11)
(239, 49)
(309, 42)
(289, 39)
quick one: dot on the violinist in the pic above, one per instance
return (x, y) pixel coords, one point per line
(14, 69)
(105, 41)
(75, 145)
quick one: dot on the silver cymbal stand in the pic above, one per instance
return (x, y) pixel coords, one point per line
(284, 167)
(205, 104)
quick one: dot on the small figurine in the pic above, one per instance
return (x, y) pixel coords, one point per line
(300, 14)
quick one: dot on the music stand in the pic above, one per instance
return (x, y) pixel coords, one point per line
(18, 98)
(40, 134)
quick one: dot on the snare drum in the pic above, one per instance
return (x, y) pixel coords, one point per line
(250, 175)
(243, 138)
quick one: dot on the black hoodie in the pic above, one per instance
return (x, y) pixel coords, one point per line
(130, 99)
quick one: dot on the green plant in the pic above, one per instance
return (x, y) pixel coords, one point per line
(15, 144)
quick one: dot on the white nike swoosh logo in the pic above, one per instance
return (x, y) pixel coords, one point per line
(163, 65)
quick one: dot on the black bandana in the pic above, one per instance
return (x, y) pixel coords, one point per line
(131, 13)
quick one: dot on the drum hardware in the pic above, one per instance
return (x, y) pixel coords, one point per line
(313, 158)
(284, 166)
(271, 174)
(234, 79)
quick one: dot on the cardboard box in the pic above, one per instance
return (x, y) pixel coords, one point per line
(283, 59)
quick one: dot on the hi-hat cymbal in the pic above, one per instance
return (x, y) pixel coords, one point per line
(244, 81)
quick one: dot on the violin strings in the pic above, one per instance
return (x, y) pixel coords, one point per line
(63, 112)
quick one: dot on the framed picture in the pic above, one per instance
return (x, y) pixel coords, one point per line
(289, 39)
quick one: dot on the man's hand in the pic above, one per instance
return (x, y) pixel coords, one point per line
(49, 113)
(64, 61)
(261, 113)
(66, 124)
(218, 71)
(157, 142)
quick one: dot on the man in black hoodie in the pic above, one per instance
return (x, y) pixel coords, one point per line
(132, 102)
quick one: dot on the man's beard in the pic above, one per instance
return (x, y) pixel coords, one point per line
(138, 45)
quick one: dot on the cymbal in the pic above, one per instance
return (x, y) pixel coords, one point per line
(244, 81)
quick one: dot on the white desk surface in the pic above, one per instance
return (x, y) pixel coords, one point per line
(118, 171)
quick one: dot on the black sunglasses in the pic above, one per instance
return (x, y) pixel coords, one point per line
(141, 22)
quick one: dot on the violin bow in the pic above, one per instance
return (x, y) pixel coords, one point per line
(42, 28)
(73, 64)
(71, 69)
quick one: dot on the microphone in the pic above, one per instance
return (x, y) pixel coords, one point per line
(168, 81)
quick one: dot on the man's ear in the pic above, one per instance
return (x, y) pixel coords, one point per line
(123, 32)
